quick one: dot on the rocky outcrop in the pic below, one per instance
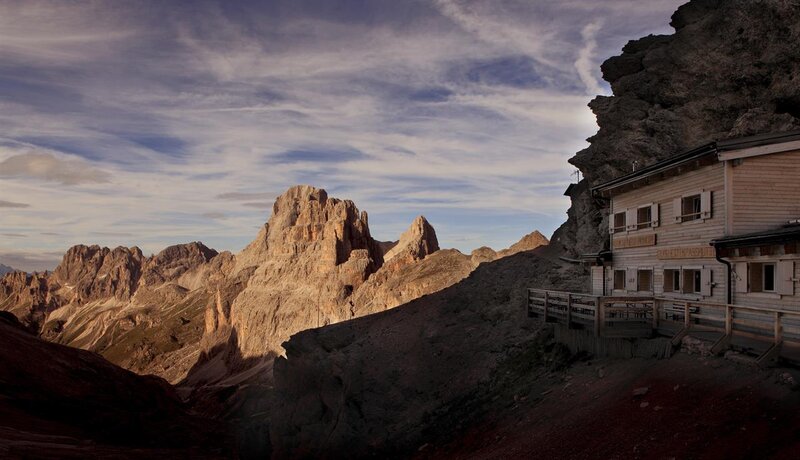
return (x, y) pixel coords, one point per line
(89, 273)
(414, 244)
(59, 402)
(28, 297)
(175, 261)
(729, 70)
(528, 242)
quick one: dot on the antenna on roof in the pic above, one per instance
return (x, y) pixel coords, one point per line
(577, 174)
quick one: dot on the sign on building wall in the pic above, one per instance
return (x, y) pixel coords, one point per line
(637, 241)
(694, 252)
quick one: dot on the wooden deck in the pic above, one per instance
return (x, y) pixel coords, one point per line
(768, 330)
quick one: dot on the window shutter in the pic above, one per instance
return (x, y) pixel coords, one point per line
(705, 204)
(654, 215)
(630, 218)
(676, 208)
(740, 276)
(630, 280)
(784, 283)
(705, 282)
(597, 280)
(756, 281)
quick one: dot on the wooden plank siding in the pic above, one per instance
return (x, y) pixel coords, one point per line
(765, 192)
(671, 234)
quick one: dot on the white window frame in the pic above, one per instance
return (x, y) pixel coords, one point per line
(673, 290)
(614, 279)
(649, 223)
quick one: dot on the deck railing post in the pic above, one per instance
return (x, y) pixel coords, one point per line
(728, 320)
(686, 315)
(569, 310)
(778, 328)
(546, 304)
(597, 316)
(530, 307)
(655, 314)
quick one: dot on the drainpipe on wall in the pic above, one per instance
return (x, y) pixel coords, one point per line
(730, 273)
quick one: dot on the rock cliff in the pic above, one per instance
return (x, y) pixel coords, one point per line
(312, 264)
(728, 70)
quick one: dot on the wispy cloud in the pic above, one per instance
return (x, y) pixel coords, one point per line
(46, 166)
(11, 204)
(152, 123)
(586, 64)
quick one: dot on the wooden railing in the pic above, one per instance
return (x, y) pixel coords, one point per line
(646, 316)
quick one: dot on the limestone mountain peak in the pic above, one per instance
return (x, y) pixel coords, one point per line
(417, 242)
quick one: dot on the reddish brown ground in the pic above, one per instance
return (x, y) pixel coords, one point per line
(694, 408)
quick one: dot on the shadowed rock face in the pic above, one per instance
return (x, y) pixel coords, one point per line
(59, 402)
(367, 387)
(730, 69)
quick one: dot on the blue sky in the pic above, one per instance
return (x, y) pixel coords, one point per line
(155, 123)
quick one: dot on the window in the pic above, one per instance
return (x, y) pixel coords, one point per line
(691, 207)
(619, 222)
(644, 217)
(762, 277)
(644, 280)
(672, 280)
(619, 280)
(692, 281)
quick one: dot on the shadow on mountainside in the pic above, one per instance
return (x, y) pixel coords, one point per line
(60, 402)
(242, 400)
(372, 385)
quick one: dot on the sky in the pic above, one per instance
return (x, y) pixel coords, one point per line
(157, 123)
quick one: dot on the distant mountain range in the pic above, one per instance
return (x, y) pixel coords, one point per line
(6, 269)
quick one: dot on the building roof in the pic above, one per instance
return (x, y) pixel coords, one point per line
(685, 158)
(698, 156)
(738, 143)
(782, 235)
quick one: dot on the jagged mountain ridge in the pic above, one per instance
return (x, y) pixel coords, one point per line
(189, 309)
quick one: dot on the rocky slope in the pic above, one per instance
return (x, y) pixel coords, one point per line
(6, 269)
(59, 402)
(728, 70)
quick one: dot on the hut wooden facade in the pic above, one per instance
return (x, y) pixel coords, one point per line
(719, 223)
